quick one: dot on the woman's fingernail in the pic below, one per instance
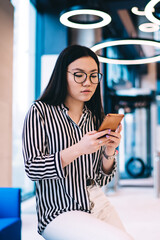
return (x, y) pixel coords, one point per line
(109, 130)
(107, 136)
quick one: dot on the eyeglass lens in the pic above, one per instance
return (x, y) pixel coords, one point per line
(81, 77)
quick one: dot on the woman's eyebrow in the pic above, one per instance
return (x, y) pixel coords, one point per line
(82, 70)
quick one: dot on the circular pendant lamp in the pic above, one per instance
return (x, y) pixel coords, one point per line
(67, 20)
(138, 12)
(149, 13)
(107, 44)
(148, 27)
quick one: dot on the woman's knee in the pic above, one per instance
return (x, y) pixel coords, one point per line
(78, 225)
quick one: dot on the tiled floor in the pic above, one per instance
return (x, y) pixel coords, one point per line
(140, 212)
(137, 207)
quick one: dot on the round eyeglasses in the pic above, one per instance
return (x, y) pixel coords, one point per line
(80, 77)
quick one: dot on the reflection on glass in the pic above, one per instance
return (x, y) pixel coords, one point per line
(134, 139)
(23, 85)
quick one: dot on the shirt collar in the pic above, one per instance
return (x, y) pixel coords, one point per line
(86, 109)
(64, 108)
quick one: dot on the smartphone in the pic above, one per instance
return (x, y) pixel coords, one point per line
(111, 121)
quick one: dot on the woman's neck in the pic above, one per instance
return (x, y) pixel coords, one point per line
(75, 109)
(74, 106)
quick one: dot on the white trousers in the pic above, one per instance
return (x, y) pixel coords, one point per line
(103, 223)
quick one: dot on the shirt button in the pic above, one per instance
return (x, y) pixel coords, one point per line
(92, 205)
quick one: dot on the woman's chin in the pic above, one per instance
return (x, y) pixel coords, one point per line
(86, 99)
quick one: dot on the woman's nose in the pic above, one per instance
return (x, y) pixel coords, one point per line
(87, 81)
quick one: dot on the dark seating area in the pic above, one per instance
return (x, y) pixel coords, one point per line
(10, 214)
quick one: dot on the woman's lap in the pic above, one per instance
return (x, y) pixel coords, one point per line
(78, 225)
(103, 209)
(103, 222)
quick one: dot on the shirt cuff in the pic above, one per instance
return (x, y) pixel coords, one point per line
(61, 172)
(113, 169)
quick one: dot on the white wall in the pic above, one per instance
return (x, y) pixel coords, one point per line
(6, 60)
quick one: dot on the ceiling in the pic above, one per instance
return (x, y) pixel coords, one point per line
(117, 4)
(124, 23)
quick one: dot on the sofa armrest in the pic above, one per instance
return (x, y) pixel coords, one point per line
(10, 202)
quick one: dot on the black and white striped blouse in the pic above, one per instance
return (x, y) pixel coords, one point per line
(48, 130)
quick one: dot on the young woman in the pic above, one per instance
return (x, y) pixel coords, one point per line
(67, 157)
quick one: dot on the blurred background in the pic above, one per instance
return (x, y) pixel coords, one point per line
(32, 36)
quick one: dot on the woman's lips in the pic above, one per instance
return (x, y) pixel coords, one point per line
(86, 91)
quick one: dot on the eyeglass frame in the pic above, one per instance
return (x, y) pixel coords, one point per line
(101, 74)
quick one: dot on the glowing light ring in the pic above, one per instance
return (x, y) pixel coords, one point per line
(138, 12)
(64, 19)
(149, 13)
(127, 42)
(148, 27)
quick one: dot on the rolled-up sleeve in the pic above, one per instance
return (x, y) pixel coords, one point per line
(39, 164)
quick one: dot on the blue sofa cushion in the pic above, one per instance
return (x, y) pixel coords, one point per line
(5, 222)
(10, 202)
(10, 228)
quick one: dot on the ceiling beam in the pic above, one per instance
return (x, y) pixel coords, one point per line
(127, 22)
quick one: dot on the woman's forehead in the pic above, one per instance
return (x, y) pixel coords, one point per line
(83, 63)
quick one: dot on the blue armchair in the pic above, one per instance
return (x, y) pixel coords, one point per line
(10, 214)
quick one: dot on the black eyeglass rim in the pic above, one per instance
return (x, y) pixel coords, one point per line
(101, 74)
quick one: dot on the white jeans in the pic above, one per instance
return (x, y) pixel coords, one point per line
(103, 222)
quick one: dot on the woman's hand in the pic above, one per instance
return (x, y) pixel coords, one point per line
(113, 142)
(92, 141)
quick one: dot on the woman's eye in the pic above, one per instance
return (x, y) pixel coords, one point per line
(94, 75)
(79, 75)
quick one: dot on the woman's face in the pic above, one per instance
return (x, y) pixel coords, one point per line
(81, 91)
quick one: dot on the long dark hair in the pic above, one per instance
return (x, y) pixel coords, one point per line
(56, 91)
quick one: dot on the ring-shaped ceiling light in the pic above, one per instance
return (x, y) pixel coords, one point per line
(127, 42)
(138, 12)
(148, 27)
(64, 18)
(149, 13)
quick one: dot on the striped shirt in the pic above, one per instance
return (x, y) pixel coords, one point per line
(48, 130)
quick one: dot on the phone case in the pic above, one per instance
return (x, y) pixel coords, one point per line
(111, 121)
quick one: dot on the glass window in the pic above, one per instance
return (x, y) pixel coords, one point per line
(47, 65)
(118, 76)
(23, 85)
